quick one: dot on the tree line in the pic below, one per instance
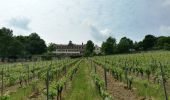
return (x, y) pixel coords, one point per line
(126, 45)
(14, 47)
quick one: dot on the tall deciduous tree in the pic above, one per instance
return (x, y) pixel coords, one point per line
(25, 44)
(10, 47)
(89, 50)
(6, 38)
(162, 42)
(149, 42)
(138, 46)
(15, 48)
(32, 44)
(36, 45)
(51, 47)
(125, 44)
(109, 47)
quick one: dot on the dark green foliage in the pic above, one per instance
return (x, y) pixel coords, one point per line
(10, 47)
(89, 50)
(125, 45)
(19, 46)
(25, 43)
(162, 42)
(138, 46)
(16, 48)
(109, 47)
(51, 47)
(167, 46)
(6, 97)
(149, 42)
(36, 44)
(5, 41)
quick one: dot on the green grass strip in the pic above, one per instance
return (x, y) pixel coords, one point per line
(83, 87)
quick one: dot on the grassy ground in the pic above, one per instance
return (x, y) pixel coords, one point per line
(21, 93)
(83, 87)
(24, 92)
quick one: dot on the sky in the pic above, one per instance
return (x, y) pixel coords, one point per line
(59, 21)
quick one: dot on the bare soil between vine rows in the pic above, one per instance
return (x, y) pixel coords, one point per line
(118, 89)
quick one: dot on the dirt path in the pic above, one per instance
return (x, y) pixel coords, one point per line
(116, 88)
(83, 87)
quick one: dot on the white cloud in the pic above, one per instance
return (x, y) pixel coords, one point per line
(106, 32)
(20, 22)
(97, 33)
(165, 30)
(166, 2)
(80, 20)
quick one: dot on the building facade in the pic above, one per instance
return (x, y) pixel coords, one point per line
(70, 49)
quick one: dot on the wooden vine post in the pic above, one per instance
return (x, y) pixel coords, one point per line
(91, 64)
(34, 69)
(47, 84)
(28, 73)
(105, 74)
(163, 81)
(95, 68)
(65, 71)
(126, 74)
(105, 77)
(2, 86)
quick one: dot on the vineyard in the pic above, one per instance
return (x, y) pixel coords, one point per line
(141, 76)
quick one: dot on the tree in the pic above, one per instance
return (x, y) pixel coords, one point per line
(162, 42)
(51, 47)
(167, 46)
(32, 44)
(15, 48)
(36, 45)
(12, 47)
(149, 42)
(138, 46)
(89, 49)
(6, 38)
(109, 47)
(125, 45)
(25, 44)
